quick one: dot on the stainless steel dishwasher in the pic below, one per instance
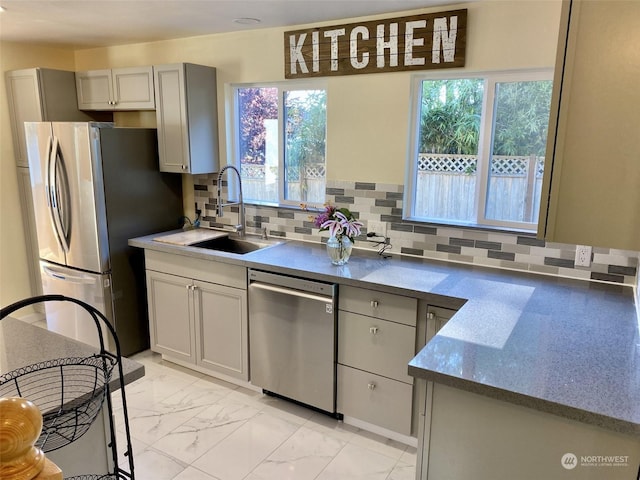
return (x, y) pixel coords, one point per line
(292, 338)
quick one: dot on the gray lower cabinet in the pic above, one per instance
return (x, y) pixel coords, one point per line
(198, 312)
(170, 320)
(375, 399)
(473, 436)
(437, 317)
(376, 341)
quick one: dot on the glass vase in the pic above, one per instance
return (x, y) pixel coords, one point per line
(339, 249)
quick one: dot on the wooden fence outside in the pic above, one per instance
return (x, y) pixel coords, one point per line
(445, 186)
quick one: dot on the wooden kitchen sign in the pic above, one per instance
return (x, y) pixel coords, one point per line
(418, 42)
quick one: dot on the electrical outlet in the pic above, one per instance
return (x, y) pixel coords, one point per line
(379, 228)
(583, 256)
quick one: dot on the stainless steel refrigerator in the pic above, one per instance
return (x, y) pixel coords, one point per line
(95, 186)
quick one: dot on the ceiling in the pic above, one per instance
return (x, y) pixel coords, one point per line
(98, 23)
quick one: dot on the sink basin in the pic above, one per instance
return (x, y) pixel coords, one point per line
(232, 245)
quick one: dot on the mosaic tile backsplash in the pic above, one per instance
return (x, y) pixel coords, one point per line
(381, 202)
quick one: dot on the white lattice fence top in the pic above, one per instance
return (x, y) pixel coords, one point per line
(249, 170)
(315, 170)
(311, 171)
(466, 164)
(516, 166)
(433, 162)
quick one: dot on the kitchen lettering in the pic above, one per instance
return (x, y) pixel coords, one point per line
(417, 42)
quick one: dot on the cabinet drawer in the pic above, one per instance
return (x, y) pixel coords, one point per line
(374, 399)
(196, 268)
(376, 345)
(396, 308)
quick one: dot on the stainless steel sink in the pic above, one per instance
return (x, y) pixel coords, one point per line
(234, 245)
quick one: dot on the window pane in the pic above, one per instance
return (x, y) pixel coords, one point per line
(521, 118)
(306, 126)
(450, 114)
(258, 143)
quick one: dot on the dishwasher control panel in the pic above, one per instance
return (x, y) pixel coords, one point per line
(305, 285)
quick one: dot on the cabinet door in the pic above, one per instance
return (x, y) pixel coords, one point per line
(171, 118)
(170, 302)
(95, 90)
(437, 317)
(133, 88)
(592, 172)
(397, 308)
(31, 238)
(374, 399)
(376, 345)
(221, 329)
(25, 105)
(39, 95)
(186, 118)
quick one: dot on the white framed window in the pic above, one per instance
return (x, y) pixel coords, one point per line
(277, 134)
(477, 146)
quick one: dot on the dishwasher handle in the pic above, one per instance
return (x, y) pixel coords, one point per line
(290, 292)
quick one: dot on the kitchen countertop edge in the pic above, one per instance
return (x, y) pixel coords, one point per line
(55, 346)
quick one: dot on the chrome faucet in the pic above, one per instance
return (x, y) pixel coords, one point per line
(243, 225)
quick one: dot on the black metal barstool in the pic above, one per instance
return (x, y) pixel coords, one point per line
(70, 392)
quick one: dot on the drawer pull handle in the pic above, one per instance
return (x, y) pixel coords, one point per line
(373, 330)
(374, 304)
(371, 386)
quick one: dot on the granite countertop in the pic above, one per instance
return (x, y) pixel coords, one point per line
(23, 344)
(562, 346)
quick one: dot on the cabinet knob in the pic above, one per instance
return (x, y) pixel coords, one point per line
(431, 315)
(373, 330)
(371, 386)
(184, 167)
(374, 303)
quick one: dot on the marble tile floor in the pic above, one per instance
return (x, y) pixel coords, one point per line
(189, 426)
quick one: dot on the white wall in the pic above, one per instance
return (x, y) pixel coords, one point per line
(367, 114)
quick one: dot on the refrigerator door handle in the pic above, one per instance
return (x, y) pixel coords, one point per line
(59, 194)
(63, 275)
(47, 189)
(49, 185)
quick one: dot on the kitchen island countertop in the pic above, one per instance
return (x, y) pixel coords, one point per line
(561, 346)
(23, 344)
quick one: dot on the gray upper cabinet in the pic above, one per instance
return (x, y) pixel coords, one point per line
(591, 190)
(187, 118)
(39, 95)
(116, 89)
